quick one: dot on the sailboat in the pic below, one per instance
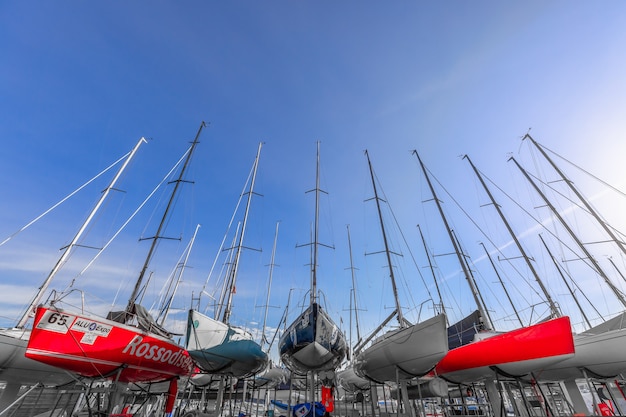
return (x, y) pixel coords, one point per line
(217, 346)
(514, 354)
(412, 350)
(126, 346)
(599, 354)
(15, 368)
(600, 349)
(313, 342)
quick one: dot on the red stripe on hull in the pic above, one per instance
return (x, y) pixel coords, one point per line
(96, 347)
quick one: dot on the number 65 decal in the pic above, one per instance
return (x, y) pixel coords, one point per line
(55, 321)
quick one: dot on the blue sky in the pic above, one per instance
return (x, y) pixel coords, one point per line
(80, 83)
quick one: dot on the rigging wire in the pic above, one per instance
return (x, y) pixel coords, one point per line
(482, 231)
(220, 249)
(143, 203)
(407, 246)
(554, 233)
(63, 199)
(585, 171)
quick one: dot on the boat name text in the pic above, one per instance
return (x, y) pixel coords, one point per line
(158, 354)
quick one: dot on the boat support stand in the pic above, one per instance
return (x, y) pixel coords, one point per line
(406, 403)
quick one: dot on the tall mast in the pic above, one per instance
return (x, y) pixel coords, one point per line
(394, 288)
(616, 268)
(239, 247)
(471, 276)
(269, 285)
(157, 235)
(556, 265)
(165, 311)
(506, 292)
(68, 248)
(582, 247)
(457, 250)
(315, 244)
(553, 308)
(353, 295)
(313, 294)
(432, 270)
(570, 184)
(227, 286)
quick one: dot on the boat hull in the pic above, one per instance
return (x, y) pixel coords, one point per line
(405, 353)
(351, 382)
(221, 349)
(599, 352)
(17, 368)
(313, 342)
(269, 378)
(95, 347)
(426, 388)
(516, 353)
